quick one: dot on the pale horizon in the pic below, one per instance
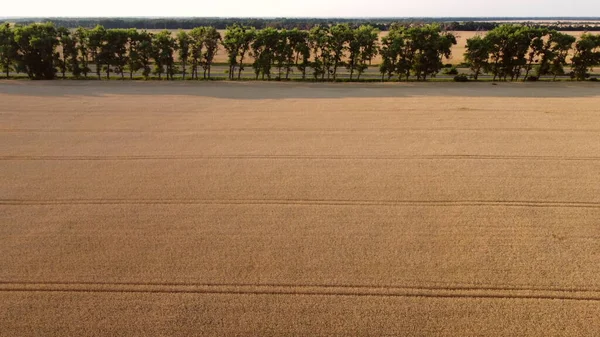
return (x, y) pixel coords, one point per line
(309, 9)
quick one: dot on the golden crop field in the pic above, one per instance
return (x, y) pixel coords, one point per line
(278, 209)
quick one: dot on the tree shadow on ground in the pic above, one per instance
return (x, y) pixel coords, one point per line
(294, 90)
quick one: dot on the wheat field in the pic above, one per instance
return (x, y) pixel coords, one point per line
(271, 209)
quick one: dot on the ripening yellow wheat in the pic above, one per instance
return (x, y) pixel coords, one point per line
(269, 209)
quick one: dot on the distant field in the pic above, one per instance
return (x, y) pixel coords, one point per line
(283, 209)
(546, 21)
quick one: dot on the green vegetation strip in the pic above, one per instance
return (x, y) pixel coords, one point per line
(508, 52)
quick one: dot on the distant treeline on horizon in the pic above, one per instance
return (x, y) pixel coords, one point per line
(383, 24)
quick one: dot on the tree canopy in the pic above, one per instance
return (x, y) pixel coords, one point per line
(507, 52)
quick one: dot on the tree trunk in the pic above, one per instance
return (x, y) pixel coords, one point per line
(107, 72)
(527, 72)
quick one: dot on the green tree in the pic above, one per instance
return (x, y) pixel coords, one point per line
(197, 37)
(538, 46)
(509, 45)
(133, 59)
(117, 40)
(389, 57)
(432, 45)
(393, 50)
(340, 36)
(81, 35)
(64, 38)
(301, 51)
(96, 41)
(587, 55)
(477, 55)
(317, 39)
(145, 52)
(231, 43)
(289, 52)
(164, 47)
(36, 45)
(408, 51)
(264, 48)
(71, 50)
(211, 47)
(283, 53)
(555, 54)
(183, 41)
(362, 49)
(237, 42)
(8, 49)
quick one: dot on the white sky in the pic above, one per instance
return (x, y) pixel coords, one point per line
(302, 8)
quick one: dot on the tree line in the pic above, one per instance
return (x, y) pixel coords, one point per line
(44, 51)
(515, 51)
(33, 49)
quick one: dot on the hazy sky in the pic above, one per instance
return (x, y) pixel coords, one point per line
(304, 8)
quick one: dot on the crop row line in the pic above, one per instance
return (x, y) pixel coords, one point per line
(299, 202)
(302, 290)
(302, 157)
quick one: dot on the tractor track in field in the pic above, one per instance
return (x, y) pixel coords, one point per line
(299, 157)
(306, 290)
(300, 202)
(307, 130)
